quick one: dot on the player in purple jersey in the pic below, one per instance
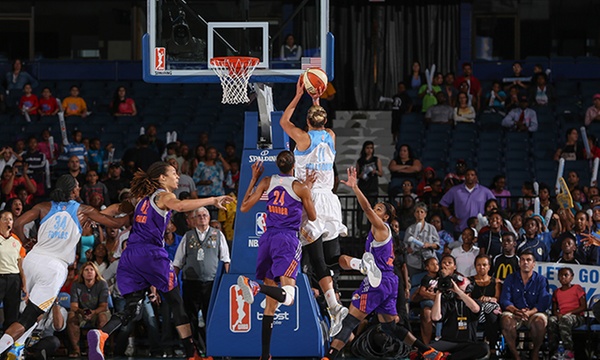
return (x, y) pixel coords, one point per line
(145, 263)
(377, 293)
(279, 248)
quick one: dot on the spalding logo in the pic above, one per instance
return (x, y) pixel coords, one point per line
(264, 157)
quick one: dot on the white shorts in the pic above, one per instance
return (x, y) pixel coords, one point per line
(329, 219)
(45, 276)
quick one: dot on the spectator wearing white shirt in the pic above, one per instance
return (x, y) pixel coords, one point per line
(466, 253)
(522, 118)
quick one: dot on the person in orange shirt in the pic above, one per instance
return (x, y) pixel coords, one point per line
(74, 105)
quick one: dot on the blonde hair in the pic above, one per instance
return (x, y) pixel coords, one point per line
(317, 116)
(98, 277)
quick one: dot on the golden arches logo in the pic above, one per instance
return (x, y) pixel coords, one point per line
(503, 271)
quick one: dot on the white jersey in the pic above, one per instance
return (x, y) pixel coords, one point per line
(319, 157)
(59, 232)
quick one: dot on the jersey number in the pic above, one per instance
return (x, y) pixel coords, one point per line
(321, 155)
(60, 223)
(279, 198)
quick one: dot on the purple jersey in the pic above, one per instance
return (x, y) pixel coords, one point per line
(383, 251)
(284, 207)
(149, 223)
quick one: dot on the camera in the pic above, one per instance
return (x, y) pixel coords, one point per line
(445, 282)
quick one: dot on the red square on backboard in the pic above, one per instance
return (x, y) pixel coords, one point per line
(160, 55)
(239, 311)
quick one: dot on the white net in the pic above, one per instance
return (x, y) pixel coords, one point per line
(234, 73)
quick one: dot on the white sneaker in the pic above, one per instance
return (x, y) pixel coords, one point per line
(337, 316)
(369, 268)
(130, 350)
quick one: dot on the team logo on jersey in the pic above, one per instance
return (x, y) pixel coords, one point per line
(239, 311)
(159, 58)
(261, 223)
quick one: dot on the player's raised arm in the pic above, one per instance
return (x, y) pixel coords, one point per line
(253, 195)
(376, 221)
(300, 136)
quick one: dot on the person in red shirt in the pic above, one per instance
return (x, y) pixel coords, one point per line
(568, 305)
(29, 102)
(474, 84)
(16, 175)
(121, 104)
(48, 105)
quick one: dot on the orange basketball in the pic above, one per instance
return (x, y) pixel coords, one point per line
(315, 81)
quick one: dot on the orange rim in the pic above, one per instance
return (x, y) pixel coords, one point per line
(234, 63)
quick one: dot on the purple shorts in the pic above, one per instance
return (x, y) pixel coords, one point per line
(279, 254)
(380, 300)
(143, 266)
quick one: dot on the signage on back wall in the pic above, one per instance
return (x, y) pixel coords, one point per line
(588, 276)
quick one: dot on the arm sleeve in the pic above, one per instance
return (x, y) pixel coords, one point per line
(508, 120)
(223, 249)
(103, 296)
(74, 296)
(533, 124)
(447, 199)
(179, 259)
(505, 295)
(545, 298)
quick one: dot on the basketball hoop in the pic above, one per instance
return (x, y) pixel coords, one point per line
(234, 73)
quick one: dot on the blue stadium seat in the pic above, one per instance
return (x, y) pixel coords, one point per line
(490, 121)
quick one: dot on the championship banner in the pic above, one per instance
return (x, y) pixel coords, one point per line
(587, 276)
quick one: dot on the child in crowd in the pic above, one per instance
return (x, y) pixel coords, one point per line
(512, 101)
(495, 98)
(96, 156)
(425, 295)
(465, 254)
(29, 103)
(48, 104)
(531, 240)
(568, 305)
(445, 237)
(74, 105)
(507, 262)
(76, 148)
(93, 186)
(517, 222)
(489, 239)
(527, 200)
(569, 247)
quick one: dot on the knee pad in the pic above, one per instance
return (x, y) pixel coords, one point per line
(290, 294)
(174, 300)
(30, 315)
(348, 325)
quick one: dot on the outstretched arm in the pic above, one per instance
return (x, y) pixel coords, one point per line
(26, 218)
(300, 136)
(380, 231)
(252, 195)
(170, 201)
(106, 220)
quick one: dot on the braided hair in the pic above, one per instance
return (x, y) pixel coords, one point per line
(146, 182)
(64, 186)
(317, 116)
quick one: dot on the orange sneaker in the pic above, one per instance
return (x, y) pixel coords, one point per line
(96, 340)
(433, 354)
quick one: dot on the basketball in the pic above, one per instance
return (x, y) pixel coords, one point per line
(315, 81)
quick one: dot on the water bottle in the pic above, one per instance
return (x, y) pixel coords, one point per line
(560, 352)
(413, 240)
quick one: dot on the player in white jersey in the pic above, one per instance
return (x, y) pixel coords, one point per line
(315, 152)
(45, 266)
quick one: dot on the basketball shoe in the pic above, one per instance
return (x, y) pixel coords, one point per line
(249, 288)
(369, 268)
(433, 354)
(96, 339)
(337, 315)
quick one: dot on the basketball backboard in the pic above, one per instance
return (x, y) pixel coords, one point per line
(184, 35)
